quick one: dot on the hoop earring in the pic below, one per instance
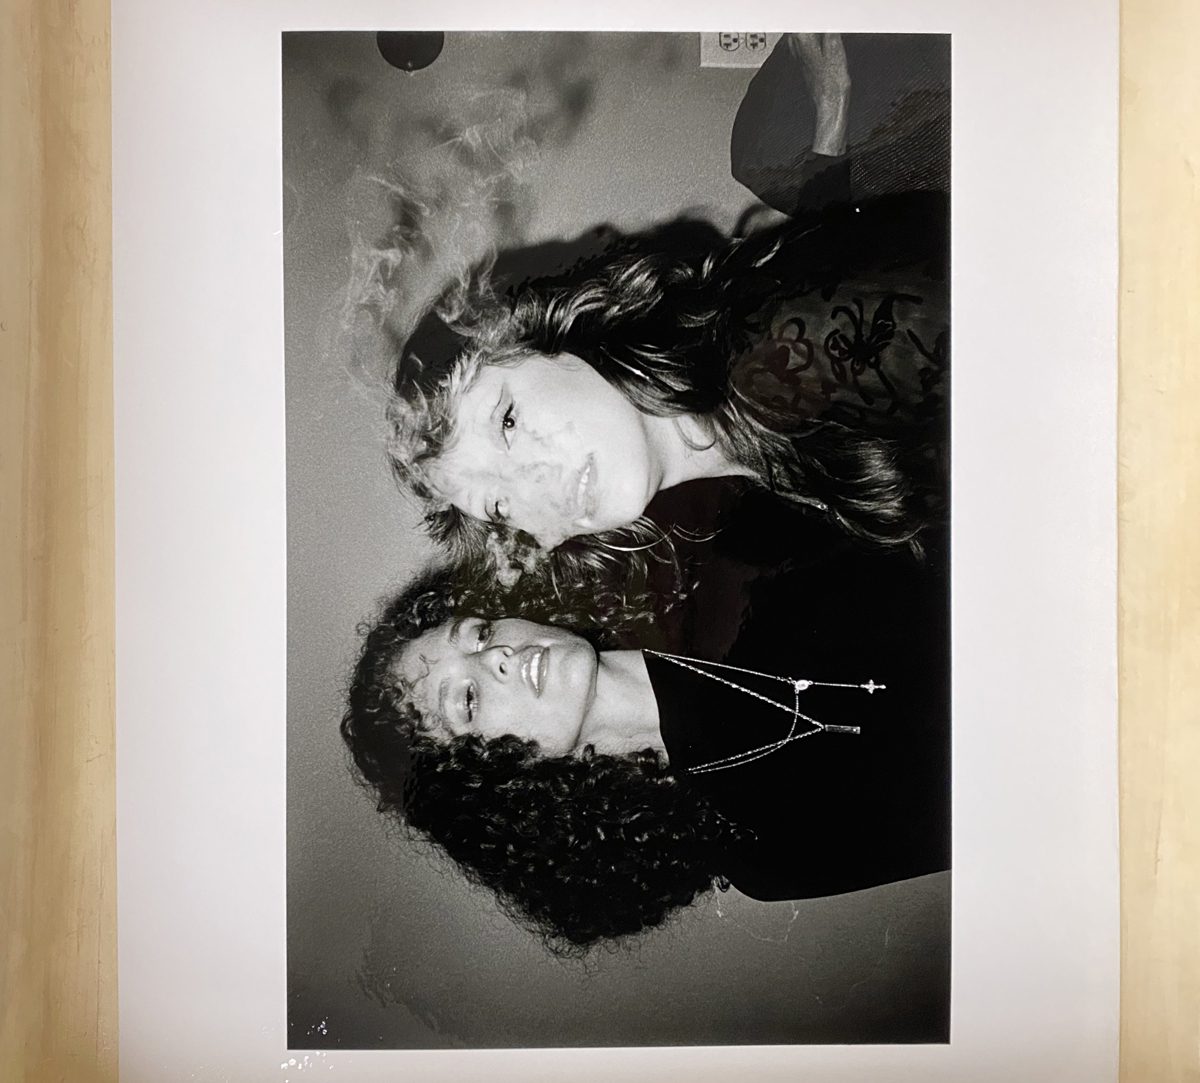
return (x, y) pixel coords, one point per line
(641, 523)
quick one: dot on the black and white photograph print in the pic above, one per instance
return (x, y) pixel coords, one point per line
(618, 653)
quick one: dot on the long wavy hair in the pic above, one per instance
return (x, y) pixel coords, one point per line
(664, 327)
(579, 849)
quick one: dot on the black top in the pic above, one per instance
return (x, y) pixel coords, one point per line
(833, 812)
(775, 588)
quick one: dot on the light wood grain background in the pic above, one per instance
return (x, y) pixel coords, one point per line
(57, 785)
(57, 855)
(1159, 541)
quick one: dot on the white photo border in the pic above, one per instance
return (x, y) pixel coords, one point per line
(200, 501)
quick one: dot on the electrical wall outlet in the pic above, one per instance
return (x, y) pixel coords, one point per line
(736, 49)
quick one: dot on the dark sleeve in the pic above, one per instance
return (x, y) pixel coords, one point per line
(770, 150)
(898, 128)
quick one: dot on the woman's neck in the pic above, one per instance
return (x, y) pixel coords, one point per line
(686, 449)
(623, 717)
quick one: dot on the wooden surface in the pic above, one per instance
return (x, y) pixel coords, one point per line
(57, 858)
(57, 872)
(1160, 541)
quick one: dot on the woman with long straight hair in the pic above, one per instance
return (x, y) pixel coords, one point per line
(808, 360)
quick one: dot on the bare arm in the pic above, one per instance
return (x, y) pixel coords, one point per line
(823, 61)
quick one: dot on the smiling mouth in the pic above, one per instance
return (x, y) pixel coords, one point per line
(534, 669)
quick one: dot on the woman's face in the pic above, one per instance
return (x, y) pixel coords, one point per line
(501, 677)
(548, 446)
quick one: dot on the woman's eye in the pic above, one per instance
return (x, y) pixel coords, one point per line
(508, 422)
(483, 634)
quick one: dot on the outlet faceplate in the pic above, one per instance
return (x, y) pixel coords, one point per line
(736, 48)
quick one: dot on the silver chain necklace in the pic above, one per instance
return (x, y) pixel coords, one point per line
(798, 686)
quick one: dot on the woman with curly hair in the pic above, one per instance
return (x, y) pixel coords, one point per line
(804, 361)
(578, 826)
(596, 788)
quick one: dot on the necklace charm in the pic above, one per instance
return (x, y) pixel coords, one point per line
(801, 685)
(798, 685)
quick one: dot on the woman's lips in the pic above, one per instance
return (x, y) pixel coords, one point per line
(533, 669)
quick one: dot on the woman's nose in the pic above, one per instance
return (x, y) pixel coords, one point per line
(500, 661)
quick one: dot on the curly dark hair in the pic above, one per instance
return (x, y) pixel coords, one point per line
(663, 327)
(580, 849)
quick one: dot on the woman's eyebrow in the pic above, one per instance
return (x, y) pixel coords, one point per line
(443, 687)
(454, 629)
